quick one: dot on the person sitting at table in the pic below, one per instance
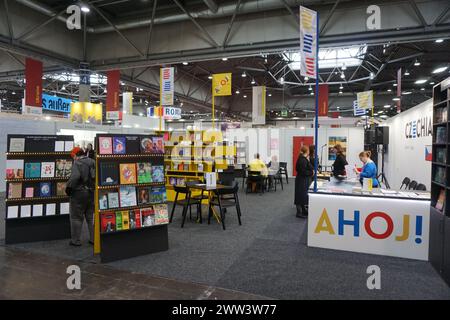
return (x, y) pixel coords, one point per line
(257, 165)
(369, 169)
(273, 168)
(340, 162)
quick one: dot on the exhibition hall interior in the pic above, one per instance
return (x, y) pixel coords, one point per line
(224, 150)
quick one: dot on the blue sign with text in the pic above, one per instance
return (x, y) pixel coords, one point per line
(53, 103)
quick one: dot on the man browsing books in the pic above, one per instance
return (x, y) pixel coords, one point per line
(80, 188)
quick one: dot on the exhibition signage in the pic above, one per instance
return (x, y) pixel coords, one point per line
(388, 226)
(167, 86)
(54, 103)
(259, 105)
(308, 42)
(33, 86)
(112, 95)
(167, 113)
(357, 111)
(365, 99)
(86, 112)
(222, 84)
(323, 100)
(127, 102)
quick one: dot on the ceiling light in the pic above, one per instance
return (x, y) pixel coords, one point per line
(395, 84)
(341, 87)
(224, 59)
(141, 114)
(253, 81)
(417, 63)
(340, 92)
(405, 93)
(344, 67)
(421, 81)
(210, 77)
(371, 76)
(245, 96)
(270, 94)
(432, 82)
(439, 70)
(244, 74)
(282, 80)
(439, 40)
(407, 73)
(384, 116)
(237, 92)
(389, 90)
(422, 89)
(309, 89)
(387, 106)
(312, 93)
(306, 79)
(342, 75)
(185, 63)
(85, 8)
(13, 92)
(396, 99)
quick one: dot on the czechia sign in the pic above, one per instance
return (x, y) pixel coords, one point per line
(421, 127)
(54, 103)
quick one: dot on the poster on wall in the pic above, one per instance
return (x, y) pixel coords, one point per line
(334, 140)
(428, 153)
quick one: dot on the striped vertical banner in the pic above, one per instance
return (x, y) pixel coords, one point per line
(308, 42)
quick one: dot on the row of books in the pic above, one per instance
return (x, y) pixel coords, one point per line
(441, 155)
(18, 190)
(130, 145)
(19, 169)
(439, 175)
(134, 219)
(177, 181)
(441, 135)
(440, 115)
(111, 173)
(37, 210)
(18, 145)
(126, 197)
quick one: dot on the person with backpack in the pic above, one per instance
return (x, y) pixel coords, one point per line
(80, 187)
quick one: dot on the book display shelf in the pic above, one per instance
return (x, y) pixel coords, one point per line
(189, 154)
(439, 251)
(131, 214)
(37, 170)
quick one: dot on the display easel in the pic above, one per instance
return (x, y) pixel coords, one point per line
(47, 225)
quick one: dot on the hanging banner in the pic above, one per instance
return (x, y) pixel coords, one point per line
(127, 102)
(357, 111)
(365, 99)
(166, 86)
(112, 95)
(259, 105)
(54, 103)
(308, 42)
(167, 113)
(221, 84)
(33, 86)
(399, 89)
(323, 100)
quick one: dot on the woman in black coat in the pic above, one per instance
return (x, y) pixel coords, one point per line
(340, 162)
(302, 182)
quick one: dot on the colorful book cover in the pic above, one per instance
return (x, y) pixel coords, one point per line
(158, 173)
(105, 145)
(14, 169)
(45, 189)
(147, 145)
(125, 220)
(161, 214)
(109, 174)
(158, 144)
(47, 169)
(127, 196)
(119, 220)
(32, 170)
(144, 172)
(119, 145)
(138, 218)
(29, 192)
(103, 200)
(14, 190)
(148, 217)
(63, 168)
(113, 199)
(143, 196)
(127, 173)
(158, 195)
(61, 189)
(108, 222)
(132, 218)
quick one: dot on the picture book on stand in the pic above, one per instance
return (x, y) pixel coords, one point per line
(14, 190)
(148, 217)
(108, 222)
(47, 169)
(32, 170)
(105, 145)
(127, 173)
(17, 145)
(143, 195)
(63, 168)
(127, 196)
(158, 173)
(119, 146)
(14, 169)
(109, 174)
(144, 172)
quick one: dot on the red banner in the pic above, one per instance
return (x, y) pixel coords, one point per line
(113, 88)
(323, 100)
(33, 87)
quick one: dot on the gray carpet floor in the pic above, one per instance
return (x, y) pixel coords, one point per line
(268, 256)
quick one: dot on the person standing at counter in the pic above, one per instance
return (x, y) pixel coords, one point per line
(369, 169)
(302, 182)
(340, 162)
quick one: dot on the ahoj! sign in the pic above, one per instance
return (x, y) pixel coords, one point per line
(391, 227)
